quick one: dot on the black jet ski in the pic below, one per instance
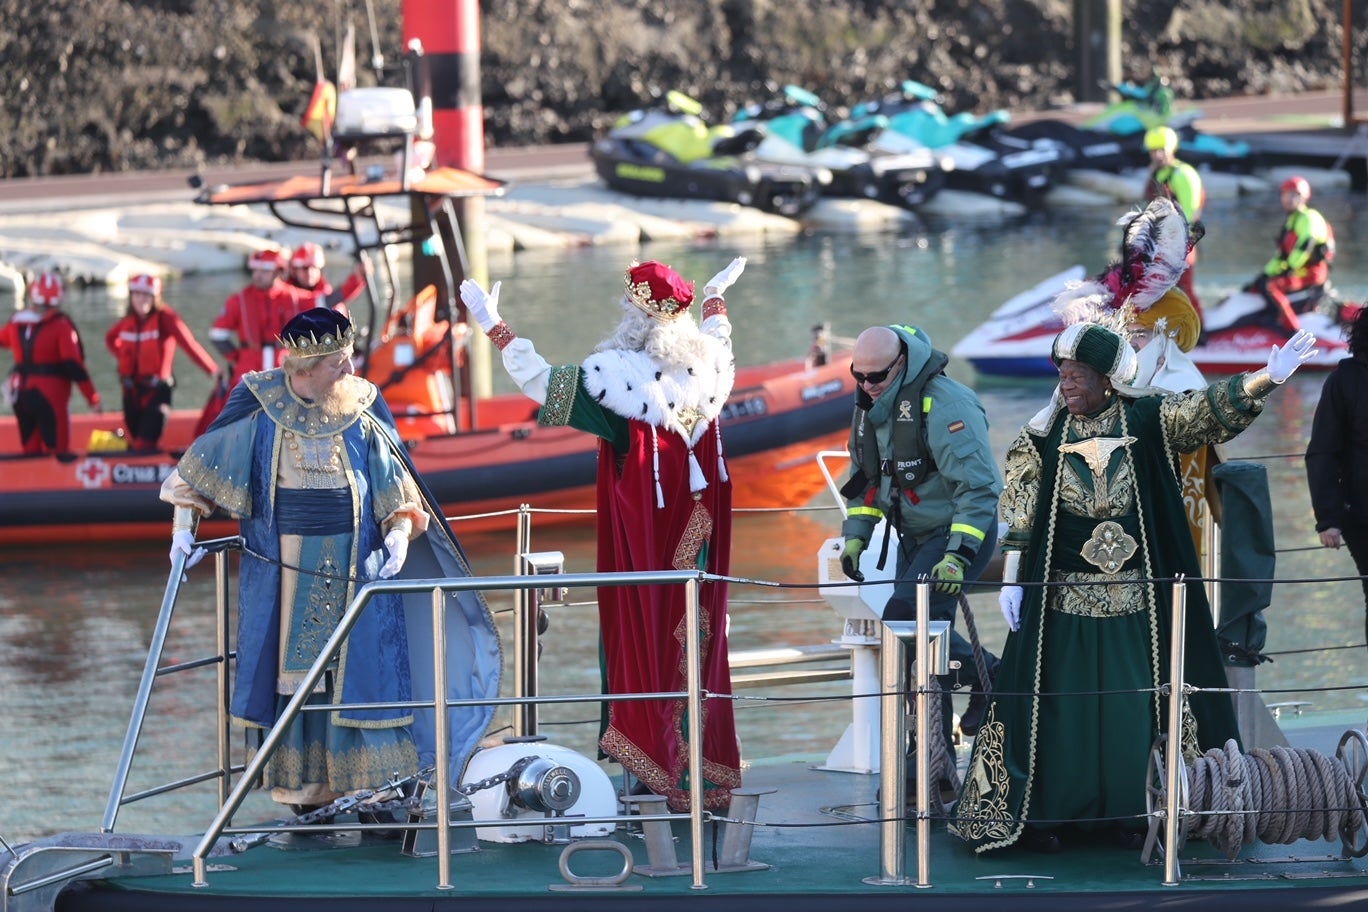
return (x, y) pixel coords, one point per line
(667, 150)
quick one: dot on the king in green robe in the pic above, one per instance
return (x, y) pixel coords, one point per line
(1094, 500)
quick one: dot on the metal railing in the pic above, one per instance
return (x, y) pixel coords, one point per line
(439, 588)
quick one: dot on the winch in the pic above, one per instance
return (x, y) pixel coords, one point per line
(553, 785)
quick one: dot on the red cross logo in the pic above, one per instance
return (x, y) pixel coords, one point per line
(92, 473)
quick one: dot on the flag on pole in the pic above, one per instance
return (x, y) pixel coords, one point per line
(321, 110)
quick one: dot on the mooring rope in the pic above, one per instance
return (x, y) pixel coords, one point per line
(1276, 796)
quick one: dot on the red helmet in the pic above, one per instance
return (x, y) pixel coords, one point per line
(147, 284)
(265, 259)
(46, 289)
(1298, 185)
(306, 255)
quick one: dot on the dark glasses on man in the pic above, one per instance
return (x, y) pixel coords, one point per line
(874, 377)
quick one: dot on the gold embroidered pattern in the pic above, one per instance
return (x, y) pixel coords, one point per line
(561, 387)
(327, 600)
(364, 767)
(1097, 456)
(1211, 415)
(982, 810)
(1112, 600)
(1021, 488)
(292, 413)
(696, 534)
(317, 461)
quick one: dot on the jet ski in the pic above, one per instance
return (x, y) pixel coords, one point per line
(1016, 338)
(667, 150)
(796, 131)
(987, 159)
(1150, 104)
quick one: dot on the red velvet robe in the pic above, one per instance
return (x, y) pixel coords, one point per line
(643, 627)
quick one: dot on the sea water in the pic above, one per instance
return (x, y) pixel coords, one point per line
(75, 622)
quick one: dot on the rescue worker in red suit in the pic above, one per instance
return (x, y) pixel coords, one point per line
(1306, 246)
(256, 315)
(48, 359)
(306, 271)
(143, 343)
(653, 393)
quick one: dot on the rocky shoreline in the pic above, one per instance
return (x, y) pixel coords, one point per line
(100, 86)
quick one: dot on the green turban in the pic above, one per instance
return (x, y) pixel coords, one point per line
(1098, 347)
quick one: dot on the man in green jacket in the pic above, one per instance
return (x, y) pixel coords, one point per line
(921, 458)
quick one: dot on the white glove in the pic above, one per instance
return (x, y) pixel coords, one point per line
(396, 543)
(183, 541)
(718, 284)
(1009, 597)
(1285, 359)
(483, 306)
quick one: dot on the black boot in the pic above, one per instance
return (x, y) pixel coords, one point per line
(1035, 839)
(974, 714)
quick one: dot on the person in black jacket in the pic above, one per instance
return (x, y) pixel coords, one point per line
(1337, 456)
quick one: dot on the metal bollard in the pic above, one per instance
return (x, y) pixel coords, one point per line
(736, 840)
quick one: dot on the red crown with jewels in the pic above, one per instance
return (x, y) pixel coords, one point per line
(658, 290)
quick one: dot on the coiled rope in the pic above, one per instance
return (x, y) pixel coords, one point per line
(1276, 796)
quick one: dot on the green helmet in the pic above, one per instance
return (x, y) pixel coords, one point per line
(1161, 138)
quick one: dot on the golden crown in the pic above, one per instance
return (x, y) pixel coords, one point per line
(309, 345)
(658, 290)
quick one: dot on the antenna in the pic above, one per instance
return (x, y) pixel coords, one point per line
(377, 58)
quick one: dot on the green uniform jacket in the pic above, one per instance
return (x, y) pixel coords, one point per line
(959, 490)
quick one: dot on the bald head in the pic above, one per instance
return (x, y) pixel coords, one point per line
(876, 344)
(877, 359)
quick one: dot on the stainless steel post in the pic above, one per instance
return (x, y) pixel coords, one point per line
(923, 654)
(441, 733)
(1174, 756)
(522, 662)
(692, 642)
(224, 678)
(892, 759)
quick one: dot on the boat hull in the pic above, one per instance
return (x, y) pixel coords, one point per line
(1016, 338)
(819, 848)
(777, 416)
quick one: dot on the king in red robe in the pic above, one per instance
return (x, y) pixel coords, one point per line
(652, 393)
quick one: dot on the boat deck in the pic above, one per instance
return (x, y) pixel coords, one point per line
(820, 837)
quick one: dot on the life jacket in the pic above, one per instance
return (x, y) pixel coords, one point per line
(912, 460)
(30, 362)
(143, 347)
(1322, 252)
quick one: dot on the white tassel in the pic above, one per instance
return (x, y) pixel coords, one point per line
(655, 459)
(696, 480)
(721, 463)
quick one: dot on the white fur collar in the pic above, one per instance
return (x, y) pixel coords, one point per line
(630, 384)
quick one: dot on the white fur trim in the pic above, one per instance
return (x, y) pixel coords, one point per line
(630, 384)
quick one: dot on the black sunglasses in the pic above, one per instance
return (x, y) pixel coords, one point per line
(875, 377)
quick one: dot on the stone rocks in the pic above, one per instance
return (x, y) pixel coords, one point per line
(114, 85)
